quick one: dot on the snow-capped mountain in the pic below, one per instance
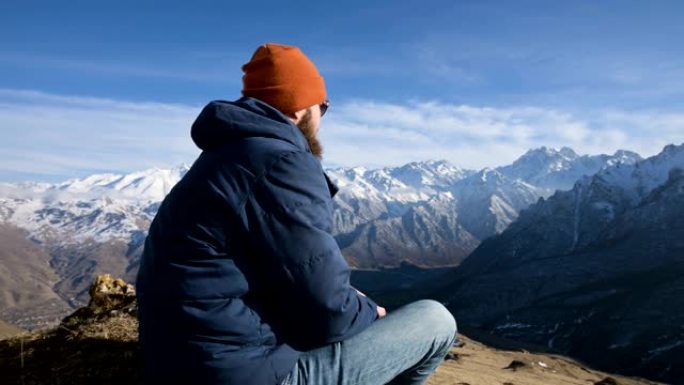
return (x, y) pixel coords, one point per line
(602, 262)
(428, 213)
(148, 185)
(367, 195)
(483, 202)
(489, 200)
(100, 207)
(112, 206)
(552, 169)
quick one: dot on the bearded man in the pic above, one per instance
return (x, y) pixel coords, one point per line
(241, 281)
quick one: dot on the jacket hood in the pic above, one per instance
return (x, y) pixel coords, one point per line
(223, 121)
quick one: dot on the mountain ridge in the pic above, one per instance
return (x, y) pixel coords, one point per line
(428, 214)
(607, 252)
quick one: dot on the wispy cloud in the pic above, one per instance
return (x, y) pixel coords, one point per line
(544, 57)
(371, 133)
(66, 136)
(47, 135)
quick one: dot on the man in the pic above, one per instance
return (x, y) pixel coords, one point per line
(241, 281)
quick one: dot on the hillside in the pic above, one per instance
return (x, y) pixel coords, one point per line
(27, 280)
(595, 272)
(98, 344)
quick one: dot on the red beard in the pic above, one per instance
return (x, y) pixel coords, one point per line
(306, 126)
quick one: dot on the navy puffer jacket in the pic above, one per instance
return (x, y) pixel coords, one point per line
(240, 271)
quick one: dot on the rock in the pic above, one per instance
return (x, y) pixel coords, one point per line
(515, 365)
(108, 297)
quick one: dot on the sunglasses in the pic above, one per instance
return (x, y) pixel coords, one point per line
(324, 106)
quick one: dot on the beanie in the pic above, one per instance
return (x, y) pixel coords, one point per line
(283, 77)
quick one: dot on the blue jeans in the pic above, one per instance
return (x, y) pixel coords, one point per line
(404, 347)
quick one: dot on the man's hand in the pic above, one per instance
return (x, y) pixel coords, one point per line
(381, 310)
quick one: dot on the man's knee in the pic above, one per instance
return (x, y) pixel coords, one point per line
(438, 319)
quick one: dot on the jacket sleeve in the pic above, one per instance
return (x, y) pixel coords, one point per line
(290, 222)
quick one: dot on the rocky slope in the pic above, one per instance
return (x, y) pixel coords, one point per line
(596, 272)
(98, 344)
(27, 281)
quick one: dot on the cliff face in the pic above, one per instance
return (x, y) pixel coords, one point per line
(99, 344)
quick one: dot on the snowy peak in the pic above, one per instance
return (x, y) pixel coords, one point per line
(545, 154)
(489, 176)
(640, 178)
(100, 207)
(412, 182)
(429, 173)
(596, 201)
(491, 181)
(554, 169)
(148, 185)
(568, 152)
(484, 182)
(624, 156)
(488, 201)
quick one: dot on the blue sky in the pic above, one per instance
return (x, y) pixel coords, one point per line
(114, 87)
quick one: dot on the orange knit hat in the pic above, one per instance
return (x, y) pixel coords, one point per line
(283, 77)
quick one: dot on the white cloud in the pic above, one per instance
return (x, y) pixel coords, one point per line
(46, 134)
(60, 135)
(373, 133)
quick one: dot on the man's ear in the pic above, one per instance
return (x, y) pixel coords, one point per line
(296, 116)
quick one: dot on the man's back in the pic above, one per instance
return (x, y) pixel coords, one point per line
(239, 268)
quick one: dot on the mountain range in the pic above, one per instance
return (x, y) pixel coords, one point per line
(595, 272)
(426, 214)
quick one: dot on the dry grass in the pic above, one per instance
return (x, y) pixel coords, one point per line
(103, 351)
